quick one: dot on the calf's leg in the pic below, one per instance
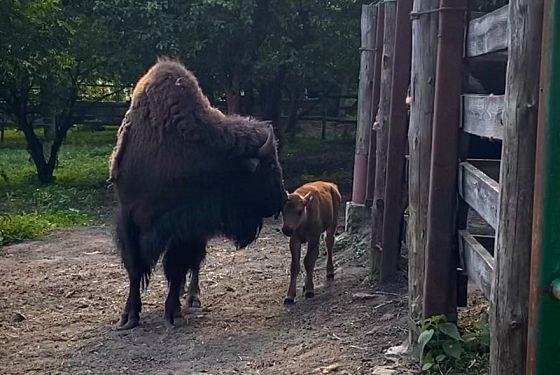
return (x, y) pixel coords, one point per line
(295, 250)
(309, 264)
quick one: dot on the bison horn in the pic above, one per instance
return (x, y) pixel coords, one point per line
(267, 147)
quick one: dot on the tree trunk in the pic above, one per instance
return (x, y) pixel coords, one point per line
(233, 97)
(270, 97)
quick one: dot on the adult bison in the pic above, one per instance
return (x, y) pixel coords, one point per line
(183, 173)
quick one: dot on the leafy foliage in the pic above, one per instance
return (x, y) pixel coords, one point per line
(442, 347)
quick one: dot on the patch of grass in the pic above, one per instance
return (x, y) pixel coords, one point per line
(79, 195)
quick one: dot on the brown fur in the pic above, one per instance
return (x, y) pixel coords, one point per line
(310, 210)
(184, 172)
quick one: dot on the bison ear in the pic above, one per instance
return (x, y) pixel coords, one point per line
(250, 164)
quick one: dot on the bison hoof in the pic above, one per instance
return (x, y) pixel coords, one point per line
(289, 301)
(330, 277)
(309, 294)
(194, 302)
(128, 321)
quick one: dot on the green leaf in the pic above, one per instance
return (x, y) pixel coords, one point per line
(427, 366)
(450, 330)
(441, 358)
(423, 340)
(452, 349)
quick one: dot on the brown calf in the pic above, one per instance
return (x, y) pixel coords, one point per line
(309, 211)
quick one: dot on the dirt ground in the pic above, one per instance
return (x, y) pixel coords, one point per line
(60, 298)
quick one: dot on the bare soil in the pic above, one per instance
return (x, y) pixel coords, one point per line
(60, 298)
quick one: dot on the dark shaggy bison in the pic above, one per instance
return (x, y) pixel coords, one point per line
(183, 173)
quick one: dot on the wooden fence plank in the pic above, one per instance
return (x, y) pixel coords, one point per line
(478, 262)
(488, 34)
(480, 191)
(482, 115)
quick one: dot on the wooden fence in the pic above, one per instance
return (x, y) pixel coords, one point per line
(446, 185)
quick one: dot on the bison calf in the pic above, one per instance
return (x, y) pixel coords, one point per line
(309, 211)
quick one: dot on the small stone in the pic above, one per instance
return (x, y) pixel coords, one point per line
(18, 317)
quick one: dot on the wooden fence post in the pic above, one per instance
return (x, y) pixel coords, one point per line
(440, 282)
(381, 125)
(396, 148)
(423, 73)
(375, 107)
(544, 328)
(364, 103)
(512, 254)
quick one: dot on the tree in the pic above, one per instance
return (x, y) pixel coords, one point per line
(51, 51)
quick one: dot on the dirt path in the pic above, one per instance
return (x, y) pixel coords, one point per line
(60, 298)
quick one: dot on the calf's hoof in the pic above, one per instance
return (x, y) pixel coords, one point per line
(194, 302)
(309, 294)
(127, 321)
(289, 301)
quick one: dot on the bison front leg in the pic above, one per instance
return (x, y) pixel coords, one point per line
(309, 264)
(295, 249)
(175, 271)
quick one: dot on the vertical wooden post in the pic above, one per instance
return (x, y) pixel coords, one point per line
(512, 254)
(423, 74)
(381, 125)
(364, 103)
(440, 283)
(544, 328)
(375, 106)
(398, 120)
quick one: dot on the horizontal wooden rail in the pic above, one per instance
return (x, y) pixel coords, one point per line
(488, 33)
(482, 115)
(478, 262)
(480, 191)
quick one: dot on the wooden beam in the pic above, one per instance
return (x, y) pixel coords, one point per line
(369, 17)
(396, 149)
(480, 191)
(423, 74)
(488, 33)
(478, 262)
(442, 258)
(482, 115)
(510, 293)
(381, 125)
(378, 57)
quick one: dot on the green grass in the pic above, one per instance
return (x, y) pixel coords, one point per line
(79, 196)
(29, 209)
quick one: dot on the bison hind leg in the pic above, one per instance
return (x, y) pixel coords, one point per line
(127, 240)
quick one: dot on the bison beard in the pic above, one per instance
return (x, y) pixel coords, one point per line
(184, 173)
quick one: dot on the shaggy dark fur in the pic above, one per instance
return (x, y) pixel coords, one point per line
(184, 173)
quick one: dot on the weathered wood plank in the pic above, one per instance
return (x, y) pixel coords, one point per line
(423, 73)
(510, 293)
(369, 17)
(482, 115)
(478, 262)
(396, 149)
(381, 125)
(480, 191)
(488, 33)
